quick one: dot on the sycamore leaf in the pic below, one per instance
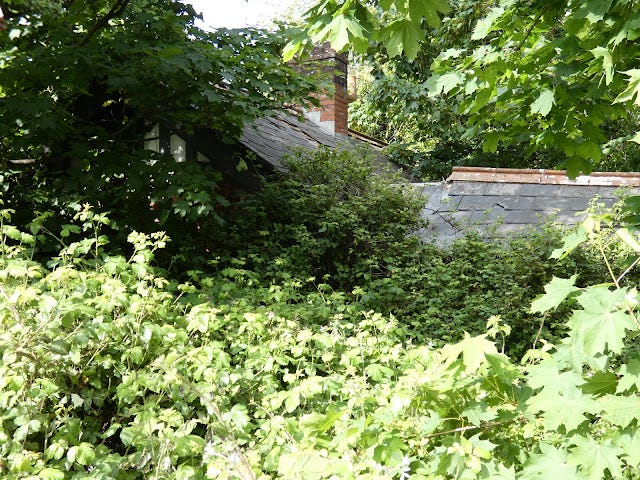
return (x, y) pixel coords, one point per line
(620, 411)
(450, 53)
(444, 83)
(419, 9)
(594, 10)
(600, 383)
(632, 92)
(547, 375)
(594, 458)
(571, 242)
(630, 376)
(338, 30)
(543, 103)
(491, 140)
(484, 26)
(629, 441)
(551, 464)
(404, 35)
(556, 292)
(628, 239)
(568, 409)
(607, 62)
(473, 350)
(599, 331)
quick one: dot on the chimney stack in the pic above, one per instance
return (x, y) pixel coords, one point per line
(332, 113)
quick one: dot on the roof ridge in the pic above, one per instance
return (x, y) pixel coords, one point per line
(542, 176)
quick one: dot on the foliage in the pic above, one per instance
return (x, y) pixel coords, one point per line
(332, 216)
(426, 135)
(83, 82)
(521, 70)
(111, 371)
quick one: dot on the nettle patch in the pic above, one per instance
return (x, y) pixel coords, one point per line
(111, 371)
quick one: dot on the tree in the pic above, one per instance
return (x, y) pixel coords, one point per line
(550, 75)
(83, 81)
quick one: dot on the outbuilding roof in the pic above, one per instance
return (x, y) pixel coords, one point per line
(272, 138)
(509, 200)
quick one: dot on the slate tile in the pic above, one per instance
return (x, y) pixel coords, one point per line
(468, 188)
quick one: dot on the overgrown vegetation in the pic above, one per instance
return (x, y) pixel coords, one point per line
(269, 362)
(494, 82)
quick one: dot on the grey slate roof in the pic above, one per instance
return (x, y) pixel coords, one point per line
(510, 200)
(274, 137)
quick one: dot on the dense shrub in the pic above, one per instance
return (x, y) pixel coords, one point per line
(109, 371)
(442, 292)
(332, 216)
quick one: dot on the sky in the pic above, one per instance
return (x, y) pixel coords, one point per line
(241, 13)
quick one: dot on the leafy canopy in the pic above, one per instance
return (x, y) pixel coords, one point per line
(81, 80)
(548, 74)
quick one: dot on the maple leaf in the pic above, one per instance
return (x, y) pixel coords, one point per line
(594, 458)
(601, 325)
(555, 293)
(630, 373)
(620, 411)
(473, 350)
(551, 464)
(632, 92)
(568, 409)
(543, 103)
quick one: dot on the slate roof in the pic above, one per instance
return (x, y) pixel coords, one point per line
(274, 137)
(510, 200)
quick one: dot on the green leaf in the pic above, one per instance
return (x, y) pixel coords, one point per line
(491, 140)
(473, 350)
(632, 92)
(556, 292)
(550, 464)
(427, 9)
(308, 466)
(189, 446)
(594, 10)
(594, 458)
(630, 376)
(570, 243)
(543, 103)
(628, 239)
(82, 454)
(607, 62)
(620, 411)
(600, 383)
(438, 84)
(51, 474)
(602, 325)
(317, 422)
(567, 410)
(403, 36)
(484, 26)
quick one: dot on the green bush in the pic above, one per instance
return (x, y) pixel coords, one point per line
(332, 216)
(443, 292)
(109, 371)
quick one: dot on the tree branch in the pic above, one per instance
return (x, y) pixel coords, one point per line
(115, 11)
(530, 29)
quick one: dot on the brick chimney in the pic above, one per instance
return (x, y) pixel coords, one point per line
(331, 116)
